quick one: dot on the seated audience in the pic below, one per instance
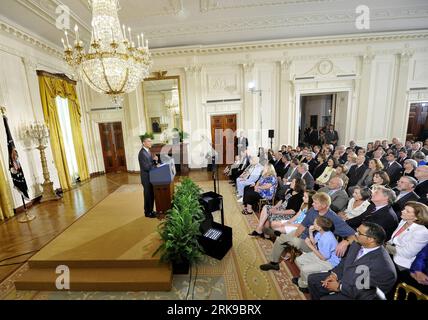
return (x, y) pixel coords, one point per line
(264, 189)
(338, 196)
(393, 169)
(344, 282)
(409, 167)
(367, 179)
(419, 157)
(323, 256)
(303, 170)
(419, 271)
(321, 207)
(411, 235)
(405, 187)
(340, 172)
(250, 175)
(402, 156)
(322, 164)
(380, 178)
(421, 173)
(358, 204)
(326, 175)
(276, 227)
(379, 212)
(356, 172)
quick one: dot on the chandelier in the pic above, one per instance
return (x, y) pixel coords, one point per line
(114, 64)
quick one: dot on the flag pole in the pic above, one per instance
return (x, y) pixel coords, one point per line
(28, 217)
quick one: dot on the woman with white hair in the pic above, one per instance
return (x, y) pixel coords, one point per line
(250, 175)
(410, 166)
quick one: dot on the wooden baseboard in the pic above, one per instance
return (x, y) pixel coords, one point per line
(134, 172)
(28, 205)
(97, 174)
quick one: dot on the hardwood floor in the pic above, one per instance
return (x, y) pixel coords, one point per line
(19, 241)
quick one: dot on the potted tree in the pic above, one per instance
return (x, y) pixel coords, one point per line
(179, 232)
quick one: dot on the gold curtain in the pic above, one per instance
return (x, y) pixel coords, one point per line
(6, 207)
(50, 88)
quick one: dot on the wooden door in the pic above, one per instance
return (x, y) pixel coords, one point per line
(113, 147)
(418, 116)
(223, 133)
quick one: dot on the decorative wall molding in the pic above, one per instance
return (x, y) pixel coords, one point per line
(193, 69)
(30, 39)
(282, 21)
(293, 43)
(212, 5)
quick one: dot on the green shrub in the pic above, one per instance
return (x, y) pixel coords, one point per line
(179, 232)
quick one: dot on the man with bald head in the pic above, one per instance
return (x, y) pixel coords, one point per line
(339, 197)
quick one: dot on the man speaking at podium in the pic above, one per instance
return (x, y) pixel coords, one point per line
(146, 164)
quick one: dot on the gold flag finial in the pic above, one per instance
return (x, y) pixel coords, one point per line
(3, 110)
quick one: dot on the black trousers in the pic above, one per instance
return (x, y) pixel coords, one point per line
(250, 196)
(318, 292)
(149, 195)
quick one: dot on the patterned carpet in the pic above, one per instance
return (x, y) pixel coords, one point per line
(236, 277)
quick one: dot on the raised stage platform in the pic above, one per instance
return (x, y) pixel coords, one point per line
(110, 248)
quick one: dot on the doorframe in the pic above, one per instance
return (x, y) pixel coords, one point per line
(416, 96)
(216, 111)
(299, 92)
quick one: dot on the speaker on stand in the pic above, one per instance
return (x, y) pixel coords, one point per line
(271, 136)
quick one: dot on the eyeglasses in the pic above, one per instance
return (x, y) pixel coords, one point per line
(358, 233)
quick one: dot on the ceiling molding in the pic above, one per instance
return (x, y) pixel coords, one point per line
(292, 43)
(45, 9)
(30, 39)
(276, 22)
(213, 5)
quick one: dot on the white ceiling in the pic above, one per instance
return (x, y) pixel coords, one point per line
(170, 23)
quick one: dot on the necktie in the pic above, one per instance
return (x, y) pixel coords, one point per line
(360, 253)
(330, 192)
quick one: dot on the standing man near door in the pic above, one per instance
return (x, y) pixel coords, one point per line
(241, 143)
(146, 164)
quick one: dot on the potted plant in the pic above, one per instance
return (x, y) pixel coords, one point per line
(147, 135)
(179, 134)
(179, 232)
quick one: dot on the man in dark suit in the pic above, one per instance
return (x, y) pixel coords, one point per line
(331, 136)
(402, 156)
(303, 169)
(421, 173)
(406, 186)
(241, 143)
(146, 164)
(356, 171)
(313, 138)
(366, 273)
(393, 169)
(379, 212)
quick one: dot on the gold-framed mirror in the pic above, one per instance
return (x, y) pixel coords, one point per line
(163, 105)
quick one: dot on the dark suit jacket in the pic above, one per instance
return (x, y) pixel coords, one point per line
(401, 161)
(146, 164)
(398, 205)
(385, 217)
(313, 138)
(380, 274)
(309, 180)
(421, 190)
(394, 173)
(354, 174)
(244, 145)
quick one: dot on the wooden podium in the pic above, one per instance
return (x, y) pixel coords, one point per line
(162, 179)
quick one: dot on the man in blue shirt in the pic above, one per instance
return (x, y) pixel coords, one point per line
(321, 207)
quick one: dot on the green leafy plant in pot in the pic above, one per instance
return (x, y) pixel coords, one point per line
(147, 135)
(179, 232)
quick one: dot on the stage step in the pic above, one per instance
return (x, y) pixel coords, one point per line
(100, 279)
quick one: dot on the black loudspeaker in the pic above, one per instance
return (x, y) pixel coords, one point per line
(216, 238)
(271, 133)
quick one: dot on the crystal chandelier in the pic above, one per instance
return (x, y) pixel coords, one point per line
(114, 64)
